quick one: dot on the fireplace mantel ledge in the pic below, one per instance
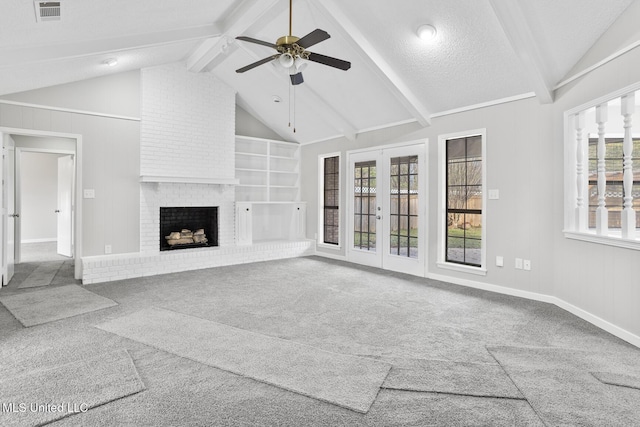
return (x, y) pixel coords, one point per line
(188, 180)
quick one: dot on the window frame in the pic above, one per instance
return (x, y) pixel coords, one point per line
(442, 203)
(571, 229)
(321, 174)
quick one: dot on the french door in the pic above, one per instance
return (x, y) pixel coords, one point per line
(386, 218)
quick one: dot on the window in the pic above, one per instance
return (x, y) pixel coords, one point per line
(462, 201)
(602, 175)
(330, 200)
(365, 191)
(403, 200)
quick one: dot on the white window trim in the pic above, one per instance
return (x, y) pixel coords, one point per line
(320, 241)
(613, 238)
(442, 200)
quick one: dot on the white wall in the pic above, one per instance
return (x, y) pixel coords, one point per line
(525, 149)
(111, 151)
(39, 196)
(247, 125)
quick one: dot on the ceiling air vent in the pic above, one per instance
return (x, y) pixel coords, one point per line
(47, 10)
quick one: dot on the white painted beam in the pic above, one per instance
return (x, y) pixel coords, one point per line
(516, 28)
(373, 59)
(248, 14)
(83, 48)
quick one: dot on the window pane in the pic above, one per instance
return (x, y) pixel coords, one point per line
(331, 200)
(464, 201)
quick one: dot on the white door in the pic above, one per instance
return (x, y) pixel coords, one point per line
(387, 209)
(9, 215)
(65, 205)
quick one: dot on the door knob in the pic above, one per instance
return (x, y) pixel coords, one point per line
(378, 216)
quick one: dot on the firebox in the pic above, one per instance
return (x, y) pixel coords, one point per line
(188, 227)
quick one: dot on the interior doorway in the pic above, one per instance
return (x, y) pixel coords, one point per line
(41, 220)
(44, 199)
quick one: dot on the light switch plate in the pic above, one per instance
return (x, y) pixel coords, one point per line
(519, 263)
(89, 193)
(500, 261)
(527, 264)
(494, 194)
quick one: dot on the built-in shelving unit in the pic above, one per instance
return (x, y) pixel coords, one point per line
(267, 170)
(268, 203)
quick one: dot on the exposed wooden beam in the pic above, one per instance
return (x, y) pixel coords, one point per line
(373, 59)
(83, 48)
(516, 28)
(248, 14)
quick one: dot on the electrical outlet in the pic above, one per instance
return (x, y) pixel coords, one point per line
(519, 263)
(107, 249)
(89, 193)
(527, 264)
(494, 194)
(500, 261)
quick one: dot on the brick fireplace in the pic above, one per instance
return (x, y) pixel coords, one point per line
(193, 227)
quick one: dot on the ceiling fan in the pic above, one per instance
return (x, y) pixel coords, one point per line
(292, 50)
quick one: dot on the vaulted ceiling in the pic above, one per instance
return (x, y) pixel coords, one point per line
(484, 50)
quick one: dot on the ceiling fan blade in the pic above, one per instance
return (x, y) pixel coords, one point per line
(296, 79)
(331, 62)
(314, 37)
(255, 64)
(256, 41)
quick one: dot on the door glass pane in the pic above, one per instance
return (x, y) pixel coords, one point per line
(403, 202)
(364, 194)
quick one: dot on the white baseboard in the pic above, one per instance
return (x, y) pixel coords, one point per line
(331, 256)
(583, 314)
(51, 239)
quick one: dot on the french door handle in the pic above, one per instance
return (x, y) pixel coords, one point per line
(15, 215)
(378, 216)
(57, 211)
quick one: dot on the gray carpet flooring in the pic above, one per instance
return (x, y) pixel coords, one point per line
(415, 325)
(40, 306)
(43, 396)
(347, 381)
(43, 275)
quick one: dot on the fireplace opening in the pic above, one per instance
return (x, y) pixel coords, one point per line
(188, 227)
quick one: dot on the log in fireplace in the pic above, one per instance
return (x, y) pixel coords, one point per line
(188, 227)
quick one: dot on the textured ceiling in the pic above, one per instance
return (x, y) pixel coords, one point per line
(485, 50)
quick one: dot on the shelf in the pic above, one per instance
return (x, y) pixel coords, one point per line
(251, 186)
(253, 170)
(252, 154)
(188, 180)
(284, 186)
(285, 172)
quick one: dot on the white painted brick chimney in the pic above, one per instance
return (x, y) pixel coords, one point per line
(187, 130)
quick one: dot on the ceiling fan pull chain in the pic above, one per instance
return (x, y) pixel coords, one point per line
(289, 105)
(294, 109)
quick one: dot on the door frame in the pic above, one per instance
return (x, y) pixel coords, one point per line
(77, 209)
(18, 193)
(378, 152)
